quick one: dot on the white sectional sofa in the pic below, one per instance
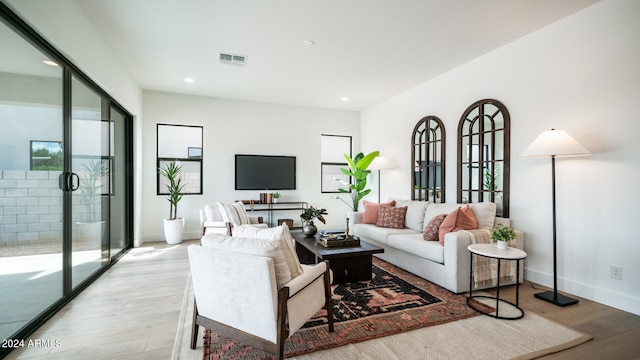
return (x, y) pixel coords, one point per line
(448, 265)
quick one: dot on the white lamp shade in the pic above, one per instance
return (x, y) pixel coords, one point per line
(554, 143)
(380, 163)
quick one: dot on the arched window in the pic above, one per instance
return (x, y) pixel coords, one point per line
(427, 160)
(483, 155)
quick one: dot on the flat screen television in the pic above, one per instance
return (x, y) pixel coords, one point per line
(265, 172)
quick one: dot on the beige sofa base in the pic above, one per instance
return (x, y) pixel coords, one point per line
(453, 274)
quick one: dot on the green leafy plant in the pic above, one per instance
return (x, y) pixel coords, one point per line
(311, 213)
(276, 195)
(173, 173)
(358, 171)
(490, 181)
(502, 233)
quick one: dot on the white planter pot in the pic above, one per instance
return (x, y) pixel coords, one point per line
(502, 245)
(173, 230)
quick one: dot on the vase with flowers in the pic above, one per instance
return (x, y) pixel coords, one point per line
(307, 217)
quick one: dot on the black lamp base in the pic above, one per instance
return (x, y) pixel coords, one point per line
(556, 298)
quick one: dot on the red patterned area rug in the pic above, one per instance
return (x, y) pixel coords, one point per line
(394, 301)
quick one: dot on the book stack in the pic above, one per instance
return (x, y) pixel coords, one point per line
(266, 198)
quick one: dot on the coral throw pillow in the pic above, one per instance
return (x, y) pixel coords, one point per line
(391, 217)
(432, 230)
(460, 219)
(370, 215)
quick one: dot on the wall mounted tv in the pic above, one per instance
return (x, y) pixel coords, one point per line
(265, 172)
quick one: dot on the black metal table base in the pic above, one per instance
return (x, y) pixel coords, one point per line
(496, 314)
(497, 297)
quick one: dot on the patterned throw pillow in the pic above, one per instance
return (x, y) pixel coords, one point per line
(432, 230)
(461, 218)
(370, 215)
(391, 217)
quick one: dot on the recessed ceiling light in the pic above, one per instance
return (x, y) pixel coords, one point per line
(344, 98)
(308, 43)
(49, 62)
(188, 80)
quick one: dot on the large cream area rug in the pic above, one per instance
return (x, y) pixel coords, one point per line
(479, 337)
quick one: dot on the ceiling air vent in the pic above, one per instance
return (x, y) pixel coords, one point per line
(230, 59)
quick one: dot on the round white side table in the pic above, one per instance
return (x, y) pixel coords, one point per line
(491, 251)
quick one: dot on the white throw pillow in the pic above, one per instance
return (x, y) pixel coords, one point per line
(279, 233)
(234, 213)
(258, 247)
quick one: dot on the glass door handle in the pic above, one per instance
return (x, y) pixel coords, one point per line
(66, 183)
(70, 182)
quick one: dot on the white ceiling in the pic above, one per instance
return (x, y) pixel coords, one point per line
(367, 50)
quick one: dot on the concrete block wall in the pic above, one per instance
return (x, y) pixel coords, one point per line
(30, 207)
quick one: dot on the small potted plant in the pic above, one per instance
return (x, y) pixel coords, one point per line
(276, 196)
(501, 234)
(307, 217)
(173, 226)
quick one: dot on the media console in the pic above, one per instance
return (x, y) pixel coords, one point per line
(270, 208)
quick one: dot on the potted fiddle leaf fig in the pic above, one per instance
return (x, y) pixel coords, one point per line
(501, 234)
(308, 215)
(173, 226)
(358, 171)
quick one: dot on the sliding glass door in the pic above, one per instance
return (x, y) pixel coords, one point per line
(89, 179)
(31, 161)
(65, 180)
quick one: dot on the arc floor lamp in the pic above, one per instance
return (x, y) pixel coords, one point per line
(553, 144)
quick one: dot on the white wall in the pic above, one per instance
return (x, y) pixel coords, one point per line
(581, 75)
(240, 127)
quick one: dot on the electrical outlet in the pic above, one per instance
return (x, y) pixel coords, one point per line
(616, 272)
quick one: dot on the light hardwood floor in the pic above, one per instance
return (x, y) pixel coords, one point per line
(132, 312)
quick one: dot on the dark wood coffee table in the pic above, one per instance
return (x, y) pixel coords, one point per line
(348, 264)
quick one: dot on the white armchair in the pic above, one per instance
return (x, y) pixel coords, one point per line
(237, 295)
(213, 222)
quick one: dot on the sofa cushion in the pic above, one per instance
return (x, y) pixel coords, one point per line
(391, 217)
(415, 244)
(371, 232)
(414, 219)
(370, 215)
(257, 247)
(461, 218)
(279, 233)
(485, 214)
(432, 230)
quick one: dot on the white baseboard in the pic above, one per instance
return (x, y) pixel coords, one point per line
(598, 294)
